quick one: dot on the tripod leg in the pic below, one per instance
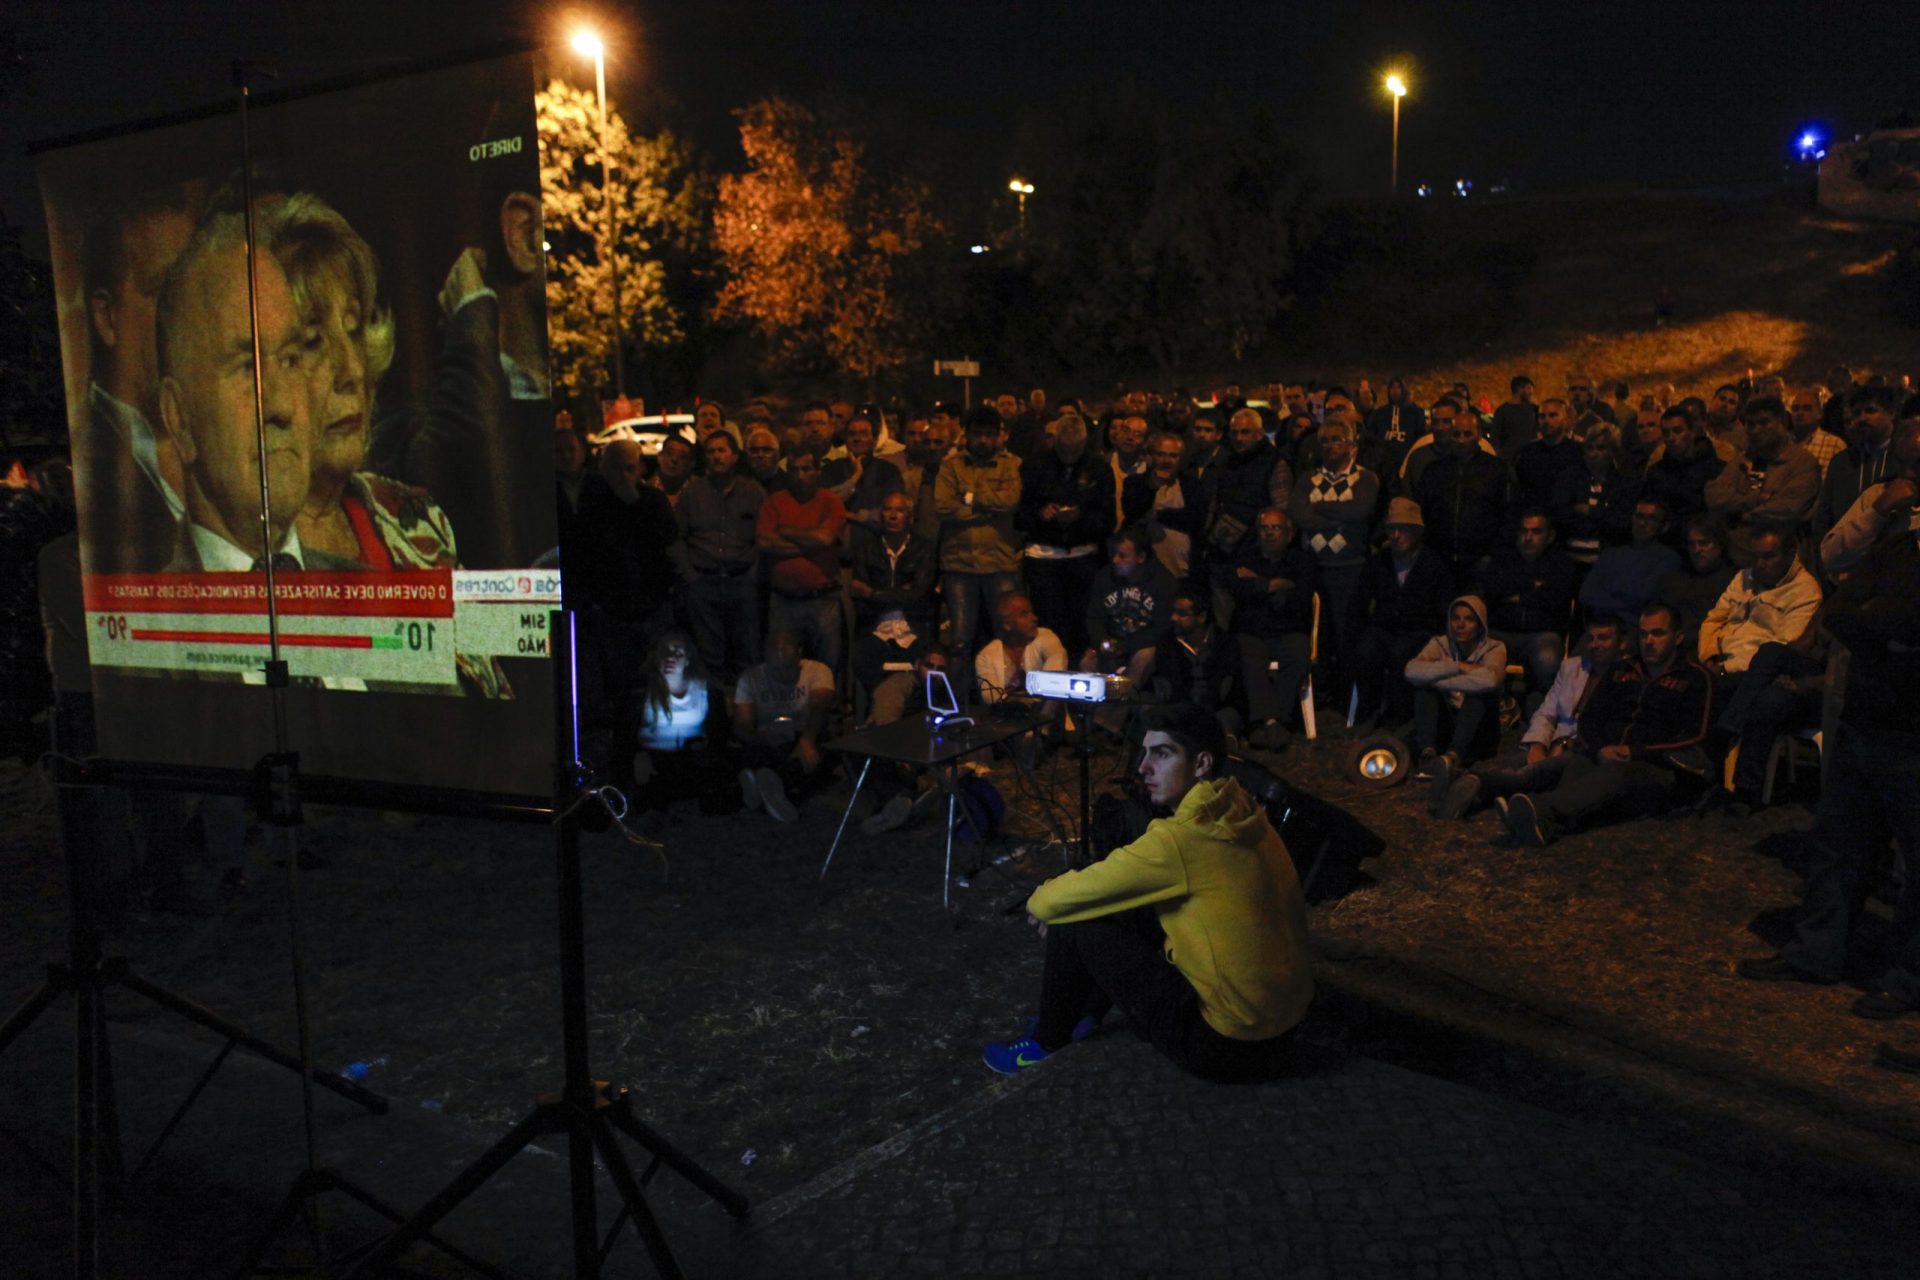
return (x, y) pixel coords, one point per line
(620, 1112)
(634, 1199)
(207, 1018)
(291, 1206)
(86, 1133)
(448, 1198)
(337, 1183)
(835, 846)
(113, 1168)
(580, 1191)
(36, 1004)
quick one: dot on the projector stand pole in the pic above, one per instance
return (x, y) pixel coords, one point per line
(277, 783)
(591, 1113)
(1086, 789)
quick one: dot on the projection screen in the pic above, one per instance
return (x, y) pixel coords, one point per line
(410, 513)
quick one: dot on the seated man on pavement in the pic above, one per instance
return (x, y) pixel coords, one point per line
(1197, 930)
(1647, 709)
(1549, 735)
(1403, 597)
(1200, 662)
(1020, 645)
(779, 709)
(1273, 582)
(1625, 578)
(891, 664)
(1528, 587)
(1456, 689)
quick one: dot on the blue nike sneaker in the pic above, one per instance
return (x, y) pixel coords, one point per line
(1008, 1058)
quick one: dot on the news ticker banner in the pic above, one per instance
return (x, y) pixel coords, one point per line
(389, 627)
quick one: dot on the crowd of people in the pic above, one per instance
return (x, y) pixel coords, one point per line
(1653, 590)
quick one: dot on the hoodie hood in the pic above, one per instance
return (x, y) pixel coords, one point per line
(1479, 608)
(1222, 809)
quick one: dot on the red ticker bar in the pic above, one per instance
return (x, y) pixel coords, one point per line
(426, 593)
(255, 638)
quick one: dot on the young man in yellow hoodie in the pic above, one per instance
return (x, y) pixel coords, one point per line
(1197, 930)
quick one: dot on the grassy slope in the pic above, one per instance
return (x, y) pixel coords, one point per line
(1756, 284)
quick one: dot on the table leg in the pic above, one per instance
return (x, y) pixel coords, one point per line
(946, 882)
(842, 830)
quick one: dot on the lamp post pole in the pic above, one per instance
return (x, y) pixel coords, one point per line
(1398, 88)
(589, 43)
(1021, 191)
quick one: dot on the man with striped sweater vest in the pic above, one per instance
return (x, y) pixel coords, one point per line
(1333, 508)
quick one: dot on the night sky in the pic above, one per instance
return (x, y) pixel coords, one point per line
(1542, 94)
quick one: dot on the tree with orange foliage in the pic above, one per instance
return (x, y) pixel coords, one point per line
(822, 256)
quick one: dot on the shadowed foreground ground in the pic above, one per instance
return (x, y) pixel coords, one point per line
(1615, 1102)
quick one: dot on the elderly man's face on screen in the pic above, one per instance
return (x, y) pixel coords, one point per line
(207, 395)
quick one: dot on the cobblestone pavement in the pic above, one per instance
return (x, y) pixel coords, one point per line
(1104, 1162)
(1108, 1162)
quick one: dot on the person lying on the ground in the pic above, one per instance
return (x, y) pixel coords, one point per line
(1549, 736)
(1197, 930)
(1649, 710)
(1456, 687)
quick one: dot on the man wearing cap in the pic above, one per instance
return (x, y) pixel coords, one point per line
(1402, 601)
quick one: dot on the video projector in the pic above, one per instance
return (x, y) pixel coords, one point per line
(1074, 686)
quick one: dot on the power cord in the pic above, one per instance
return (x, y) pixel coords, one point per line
(614, 801)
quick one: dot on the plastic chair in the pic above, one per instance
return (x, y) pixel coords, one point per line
(1793, 749)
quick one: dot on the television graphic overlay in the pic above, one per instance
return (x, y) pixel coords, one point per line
(405, 420)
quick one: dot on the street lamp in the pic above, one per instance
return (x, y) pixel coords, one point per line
(588, 45)
(1021, 191)
(1396, 86)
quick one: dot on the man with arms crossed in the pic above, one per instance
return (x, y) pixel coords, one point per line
(1197, 930)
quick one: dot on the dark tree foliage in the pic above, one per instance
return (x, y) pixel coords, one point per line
(1164, 241)
(31, 400)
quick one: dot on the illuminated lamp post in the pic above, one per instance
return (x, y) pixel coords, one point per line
(1021, 191)
(588, 44)
(1397, 86)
